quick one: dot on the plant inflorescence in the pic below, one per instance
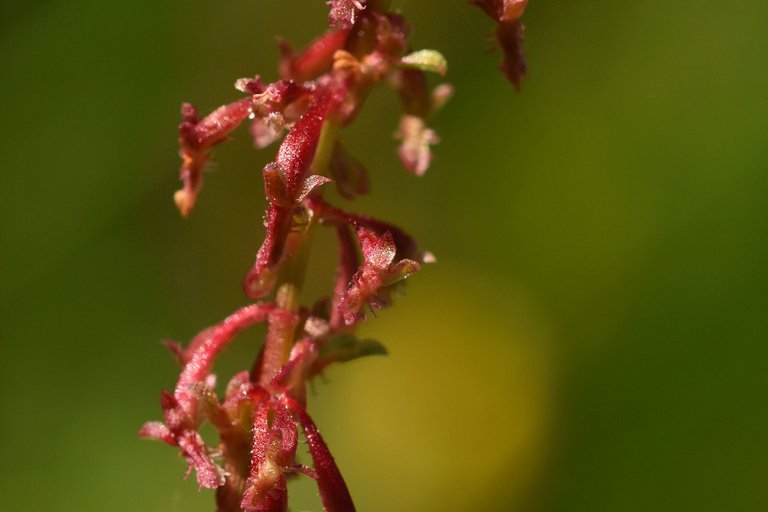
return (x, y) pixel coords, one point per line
(321, 90)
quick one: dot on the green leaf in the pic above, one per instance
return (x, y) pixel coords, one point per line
(426, 60)
(346, 347)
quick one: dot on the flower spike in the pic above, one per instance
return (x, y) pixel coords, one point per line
(182, 412)
(321, 90)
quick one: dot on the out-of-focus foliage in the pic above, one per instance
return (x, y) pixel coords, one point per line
(593, 336)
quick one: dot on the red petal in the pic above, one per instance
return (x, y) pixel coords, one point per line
(310, 184)
(405, 243)
(315, 60)
(333, 491)
(197, 138)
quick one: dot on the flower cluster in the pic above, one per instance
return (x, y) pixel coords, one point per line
(321, 89)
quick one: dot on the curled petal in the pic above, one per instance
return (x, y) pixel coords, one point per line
(207, 348)
(196, 138)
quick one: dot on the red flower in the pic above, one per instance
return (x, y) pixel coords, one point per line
(196, 138)
(321, 90)
(372, 284)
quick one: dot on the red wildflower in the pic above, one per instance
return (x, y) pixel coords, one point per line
(321, 90)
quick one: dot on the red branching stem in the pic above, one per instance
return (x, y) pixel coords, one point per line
(321, 90)
(197, 138)
(206, 347)
(315, 60)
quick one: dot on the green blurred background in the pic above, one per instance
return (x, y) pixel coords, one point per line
(593, 337)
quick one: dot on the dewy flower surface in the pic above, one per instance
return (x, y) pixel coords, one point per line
(321, 90)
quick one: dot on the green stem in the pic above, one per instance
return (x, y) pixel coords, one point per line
(281, 330)
(325, 147)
